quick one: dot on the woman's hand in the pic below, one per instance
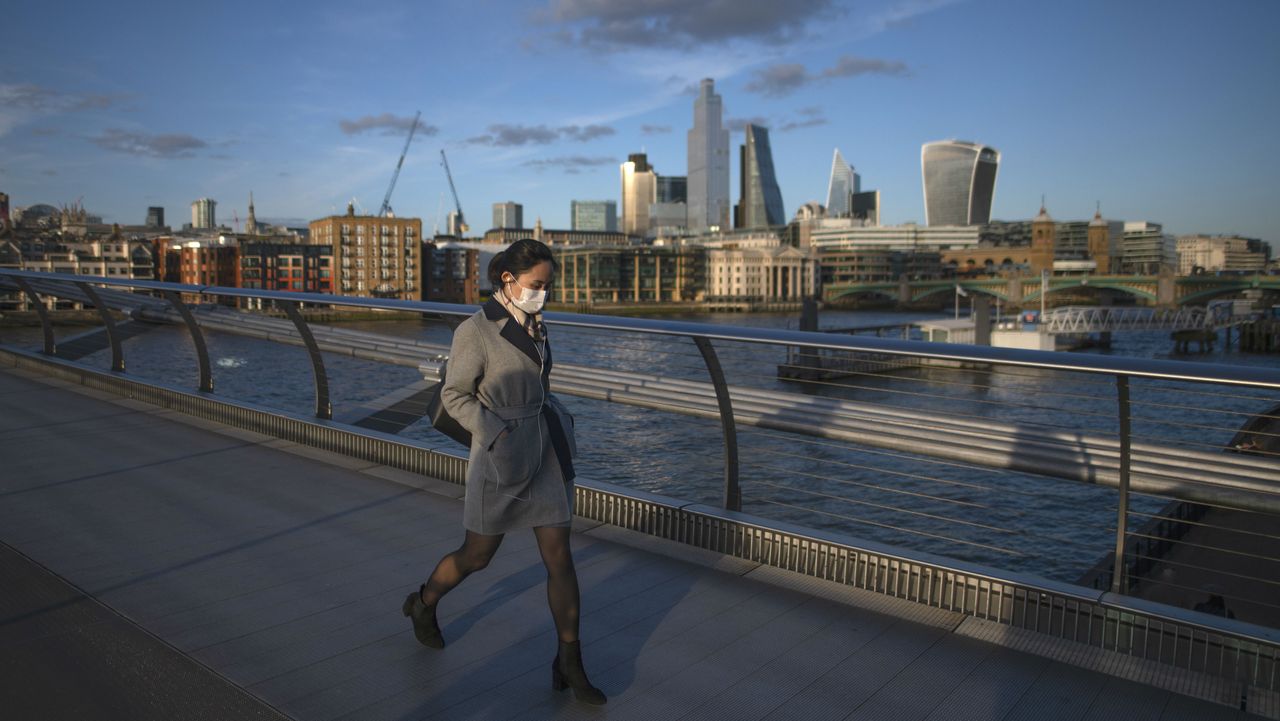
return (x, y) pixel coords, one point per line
(501, 434)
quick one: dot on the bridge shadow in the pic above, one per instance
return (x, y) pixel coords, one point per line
(206, 557)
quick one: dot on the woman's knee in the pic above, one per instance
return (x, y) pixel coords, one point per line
(475, 558)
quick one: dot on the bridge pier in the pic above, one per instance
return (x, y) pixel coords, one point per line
(1166, 287)
(1013, 290)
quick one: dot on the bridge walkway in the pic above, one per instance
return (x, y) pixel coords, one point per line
(278, 571)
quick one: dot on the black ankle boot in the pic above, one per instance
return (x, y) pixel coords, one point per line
(424, 620)
(566, 671)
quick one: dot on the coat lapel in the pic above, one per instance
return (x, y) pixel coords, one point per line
(514, 334)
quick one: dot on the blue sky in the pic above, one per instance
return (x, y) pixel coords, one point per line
(1162, 111)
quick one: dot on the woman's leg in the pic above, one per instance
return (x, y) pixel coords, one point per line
(562, 579)
(474, 554)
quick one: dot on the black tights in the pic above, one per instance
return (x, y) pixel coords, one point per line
(478, 549)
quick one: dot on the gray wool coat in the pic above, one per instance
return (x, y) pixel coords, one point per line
(497, 379)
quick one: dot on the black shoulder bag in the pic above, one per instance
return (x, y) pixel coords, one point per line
(440, 418)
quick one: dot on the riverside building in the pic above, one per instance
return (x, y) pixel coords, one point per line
(1220, 253)
(374, 257)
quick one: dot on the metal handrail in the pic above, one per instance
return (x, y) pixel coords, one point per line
(1157, 369)
(1121, 370)
(1109, 369)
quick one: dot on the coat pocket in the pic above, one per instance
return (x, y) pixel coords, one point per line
(566, 423)
(516, 455)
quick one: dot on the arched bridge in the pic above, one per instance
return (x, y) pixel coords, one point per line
(1158, 289)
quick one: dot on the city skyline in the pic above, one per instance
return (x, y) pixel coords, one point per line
(1088, 103)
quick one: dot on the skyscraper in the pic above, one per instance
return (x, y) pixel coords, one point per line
(598, 215)
(203, 213)
(708, 194)
(639, 191)
(508, 215)
(760, 201)
(843, 182)
(959, 182)
(672, 189)
(155, 217)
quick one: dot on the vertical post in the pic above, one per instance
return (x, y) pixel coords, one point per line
(197, 338)
(117, 355)
(324, 409)
(732, 490)
(1044, 289)
(50, 348)
(1118, 584)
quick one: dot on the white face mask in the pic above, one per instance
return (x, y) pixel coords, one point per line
(530, 301)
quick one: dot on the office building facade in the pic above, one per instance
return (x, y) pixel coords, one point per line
(1214, 254)
(450, 274)
(374, 257)
(708, 158)
(644, 274)
(959, 182)
(778, 273)
(155, 217)
(639, 191)
(672, 189)
(204, 213)
(842, 184)
(597, 215)
(508, 215)
(760, 200)
(1145, 249)
(292, 267)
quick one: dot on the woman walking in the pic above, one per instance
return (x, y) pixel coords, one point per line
(520, 473)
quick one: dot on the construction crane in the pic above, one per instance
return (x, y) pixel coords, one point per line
(385, 210)
(462, 225)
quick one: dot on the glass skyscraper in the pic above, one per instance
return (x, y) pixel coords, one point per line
(639, 192)
(508, 215)
(600, 215)
(204, 213)
(708, 193)
(843, 182)
(959, 182)
(760, 201)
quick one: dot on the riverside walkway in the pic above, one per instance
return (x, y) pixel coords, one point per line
(159, 566)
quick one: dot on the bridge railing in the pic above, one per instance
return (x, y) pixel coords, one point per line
(959, 458)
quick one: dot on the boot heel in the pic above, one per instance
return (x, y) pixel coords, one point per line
(407, 608)
(557, 679)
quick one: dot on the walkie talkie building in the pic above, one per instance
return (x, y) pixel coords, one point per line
(959, 182)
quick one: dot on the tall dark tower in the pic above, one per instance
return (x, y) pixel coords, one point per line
(760, 200)
(251, 223)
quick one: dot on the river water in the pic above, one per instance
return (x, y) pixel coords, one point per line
(1048, 527)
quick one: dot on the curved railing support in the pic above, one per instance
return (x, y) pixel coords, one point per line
(324, 409)
(197, 338)
(50, 348)
(732, 488)
(1122, 503)
(113, 337)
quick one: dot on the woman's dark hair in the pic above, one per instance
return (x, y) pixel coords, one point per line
(520, 257)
